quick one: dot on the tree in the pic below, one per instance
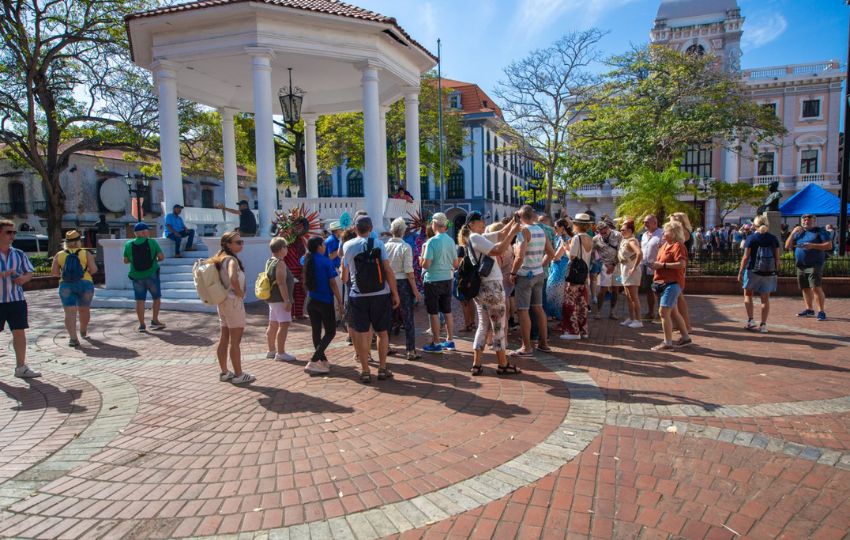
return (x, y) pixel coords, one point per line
(730, 197)
(290, 142)
(656, 192)
(544, 93)
(66, 85)
(654, 105)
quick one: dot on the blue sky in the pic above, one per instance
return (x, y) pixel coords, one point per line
(480, 37)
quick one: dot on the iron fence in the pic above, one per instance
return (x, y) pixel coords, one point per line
(727, 264)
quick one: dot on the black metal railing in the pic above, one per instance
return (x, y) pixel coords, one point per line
(39, 207)
(727, 263)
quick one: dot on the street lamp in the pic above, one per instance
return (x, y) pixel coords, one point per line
(291, 100)
(138, 186)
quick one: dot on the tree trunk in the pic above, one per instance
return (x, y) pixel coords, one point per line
(55, 210)
(550, 179)
(301, 165)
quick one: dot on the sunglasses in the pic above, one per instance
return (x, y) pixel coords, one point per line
(11, 233)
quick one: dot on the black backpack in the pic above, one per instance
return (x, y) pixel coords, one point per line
(577, 274)
(368, 272)
(142, 256)
(468, 276)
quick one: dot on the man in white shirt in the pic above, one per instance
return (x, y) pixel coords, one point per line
(650, 241)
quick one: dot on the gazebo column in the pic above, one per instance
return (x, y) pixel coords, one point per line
(411, 132)
(169, 133)
(375, 195)
(383, 138)
(311, 164)
(228, 142)
(264, 134)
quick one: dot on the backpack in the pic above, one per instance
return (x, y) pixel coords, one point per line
(263, 285)
(72, 269)
(468, 276)
(142, 256)
(577, 274)
(765, 262)
(367, 269)
(208, 283)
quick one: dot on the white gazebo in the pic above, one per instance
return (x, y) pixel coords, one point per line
(235, 55)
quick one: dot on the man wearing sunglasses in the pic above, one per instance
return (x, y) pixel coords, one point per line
(15, 270)
(810, 244)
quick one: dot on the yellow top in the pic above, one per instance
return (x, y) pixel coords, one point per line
(83, 261)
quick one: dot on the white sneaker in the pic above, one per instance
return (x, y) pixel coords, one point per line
(626, 322)
(24, 372)
(316, 368)
(750, 324)
(284, 357)
(270, 355)
(569, 336)
(245, 378)
(224, 377)
(763, 328)
(636, 324)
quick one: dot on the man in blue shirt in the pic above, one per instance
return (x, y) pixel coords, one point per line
(176, 230)
(810, 244)
(15, 270)
(439, 260)
(332, 252)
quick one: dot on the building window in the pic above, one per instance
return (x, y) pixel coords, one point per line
(698, 161)
(206, 198)
(325, 185)
(811, 108)
(455, 184)
(423, 188)
(809, 162)
(489, 184)
(454, 100)
(697, 50)
(17, 198)
(355, 183)
(770, 107)
(765, 164)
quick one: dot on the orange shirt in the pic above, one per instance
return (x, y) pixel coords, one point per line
(671, 253)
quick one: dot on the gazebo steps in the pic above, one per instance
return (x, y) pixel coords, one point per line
(168, 304)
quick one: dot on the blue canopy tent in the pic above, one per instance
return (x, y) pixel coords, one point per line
(812, 199)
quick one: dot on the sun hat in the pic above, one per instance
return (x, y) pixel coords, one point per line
(582, 218)
(334, 226)
(72, 235)
(141, 226)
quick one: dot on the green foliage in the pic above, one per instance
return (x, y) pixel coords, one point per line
(651, 192)
(339, 137)
(730, 197)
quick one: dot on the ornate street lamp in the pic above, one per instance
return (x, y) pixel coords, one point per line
(291, 100)
(138, 186)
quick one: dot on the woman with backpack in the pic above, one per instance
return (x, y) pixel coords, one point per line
(319, 276)
(231, 312)
(466, 304)
(74, 267)
(759, 265)
(279, 300)
(574, 316)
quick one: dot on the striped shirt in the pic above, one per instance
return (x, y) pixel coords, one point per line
(17, 261)
(532, 263)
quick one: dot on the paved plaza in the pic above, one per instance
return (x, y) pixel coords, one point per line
(133, 436)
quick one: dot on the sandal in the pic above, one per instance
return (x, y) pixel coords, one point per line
(508, 369)
(663, 347)
(521, 353)
(366, 378)
(384, 373)
(477, 370)
(545, 349)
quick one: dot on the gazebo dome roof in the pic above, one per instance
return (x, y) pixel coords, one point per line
(710, 10)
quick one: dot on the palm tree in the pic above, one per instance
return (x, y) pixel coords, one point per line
(657, 193)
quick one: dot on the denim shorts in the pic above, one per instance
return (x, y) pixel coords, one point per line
(670, 295)
(77, 294)
(142, 286)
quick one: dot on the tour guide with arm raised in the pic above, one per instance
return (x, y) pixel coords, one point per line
(247, 220)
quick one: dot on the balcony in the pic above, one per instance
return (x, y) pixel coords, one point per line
(765, 180)
(331, 208)
(13, 208)
(819, 178)
(39, 207)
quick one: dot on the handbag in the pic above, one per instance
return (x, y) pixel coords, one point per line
(577, 272)
(485, 263)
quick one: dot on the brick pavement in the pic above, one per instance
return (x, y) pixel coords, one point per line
(133, 436)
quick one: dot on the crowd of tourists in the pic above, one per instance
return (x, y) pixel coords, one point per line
(522, 273)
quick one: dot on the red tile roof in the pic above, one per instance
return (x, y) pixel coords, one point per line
(329, 7)
(472, 98)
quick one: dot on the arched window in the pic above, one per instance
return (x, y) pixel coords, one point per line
(455, 184)
(325, 185)
(695, 49)
(17, 198)
(355, 183)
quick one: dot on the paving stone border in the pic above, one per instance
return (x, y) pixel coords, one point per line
(838, 405)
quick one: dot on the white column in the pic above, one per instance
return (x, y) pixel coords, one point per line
(169, 133)
(375, 201)
(730, 166)
(228, 141)
(411, 132)
(383, 138)
(312, 172)
(264, 133)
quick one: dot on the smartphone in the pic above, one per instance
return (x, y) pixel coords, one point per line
(516, 218)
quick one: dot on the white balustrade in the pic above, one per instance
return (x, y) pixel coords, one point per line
(399, 208)
(817, 177)
(765, 180)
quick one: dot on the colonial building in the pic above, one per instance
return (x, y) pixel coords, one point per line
(807, 97)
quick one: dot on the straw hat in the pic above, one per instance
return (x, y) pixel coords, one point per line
(582, 218)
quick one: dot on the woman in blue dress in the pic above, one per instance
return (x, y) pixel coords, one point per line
(558, 270)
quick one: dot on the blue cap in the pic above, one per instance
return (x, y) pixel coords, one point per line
(141, 226)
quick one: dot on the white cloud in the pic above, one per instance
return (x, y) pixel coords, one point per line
(429, 24)
(761, 29)
(535, 15)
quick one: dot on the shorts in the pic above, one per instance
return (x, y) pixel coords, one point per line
(438, 297)
(374, 311)
(670, 295)
(278, 314)
(77, 294)
(528, 292)
(609, 279)
(14, 313)
(809, 278)
(141, 287)
(231, 313)
(757, 284)
(595, 267)
(645, 281)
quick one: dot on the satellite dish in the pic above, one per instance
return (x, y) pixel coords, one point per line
(114, 194)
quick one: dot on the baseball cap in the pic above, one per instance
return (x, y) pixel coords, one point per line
(141, 226)
(177, 206)
(473, 216)
(440, 219)
(243, 201)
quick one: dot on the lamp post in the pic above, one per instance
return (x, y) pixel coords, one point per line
(845, 163)
(291, 99)
(138, 186)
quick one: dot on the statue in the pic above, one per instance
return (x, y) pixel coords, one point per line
(771, 202)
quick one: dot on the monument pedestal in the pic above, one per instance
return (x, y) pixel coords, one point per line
(774, 219)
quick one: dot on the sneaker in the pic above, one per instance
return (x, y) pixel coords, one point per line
(156, 325)
(448, 345)
(284, 357)
(520, 353)
(348, 341)
(245, 378)
(635, 324)
(24, 372)
(413, 355)
(141, 329)
(315, 367)
(270, 355)
(73, 342)
(224, 377)
(567, 335)
(84, 334)
(325, 365)
(821, 315)
(763, 328)
(427, 332)
(626, 322)
(751, 324)
(433, 348)
(806, 313)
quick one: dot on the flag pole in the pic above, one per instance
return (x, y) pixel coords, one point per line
(440, 117)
